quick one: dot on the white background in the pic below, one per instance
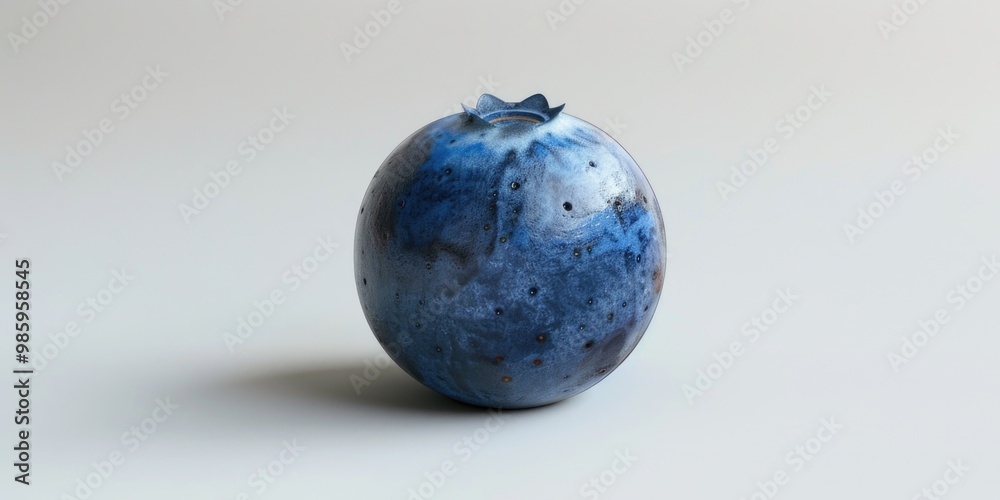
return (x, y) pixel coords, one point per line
(686, 123)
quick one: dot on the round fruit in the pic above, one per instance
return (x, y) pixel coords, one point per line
(509, 256)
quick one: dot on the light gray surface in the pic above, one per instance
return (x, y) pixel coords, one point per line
(613, 64)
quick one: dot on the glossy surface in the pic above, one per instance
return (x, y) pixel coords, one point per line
(509, 264)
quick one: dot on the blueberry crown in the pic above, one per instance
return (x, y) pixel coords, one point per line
(495, 111)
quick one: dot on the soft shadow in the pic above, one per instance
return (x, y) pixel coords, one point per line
(346, 386)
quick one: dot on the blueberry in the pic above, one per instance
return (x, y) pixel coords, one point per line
(477, 215)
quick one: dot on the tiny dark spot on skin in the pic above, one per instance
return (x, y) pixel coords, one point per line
(362, 209)
(583, 326)
(576, 252)
(589, 344)
(645, 308)
(438, 349)
(402, 203)
(590, 301)
(397, 296)
(503, 239)
(590, 249)
(493, 207)
(447, 171)
(486, 227)
(540, 338)
(365, 281)
(514, 185)
(564, 378)
(499, 359)
(638, 258)
(592, 164)
(624, 304)
(537, 362)
(611, 316)
(499, 312)
(532, 291)
(421, 302)
(644, 199)
(602, 371)
(506, 378)
(428, 265)
(451, 141)
(567, 206)
(418, 325)
(618, 203)
(495, 193)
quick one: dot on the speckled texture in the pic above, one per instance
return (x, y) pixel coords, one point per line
(509, 264)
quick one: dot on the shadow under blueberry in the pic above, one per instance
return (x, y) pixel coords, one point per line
(354, 386)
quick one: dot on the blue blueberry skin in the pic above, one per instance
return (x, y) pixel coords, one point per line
(509, 265)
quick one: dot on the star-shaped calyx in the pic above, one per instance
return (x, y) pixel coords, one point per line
(496, 112)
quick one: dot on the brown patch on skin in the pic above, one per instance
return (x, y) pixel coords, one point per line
(657, 280)
(537, 362)
(506, 378)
